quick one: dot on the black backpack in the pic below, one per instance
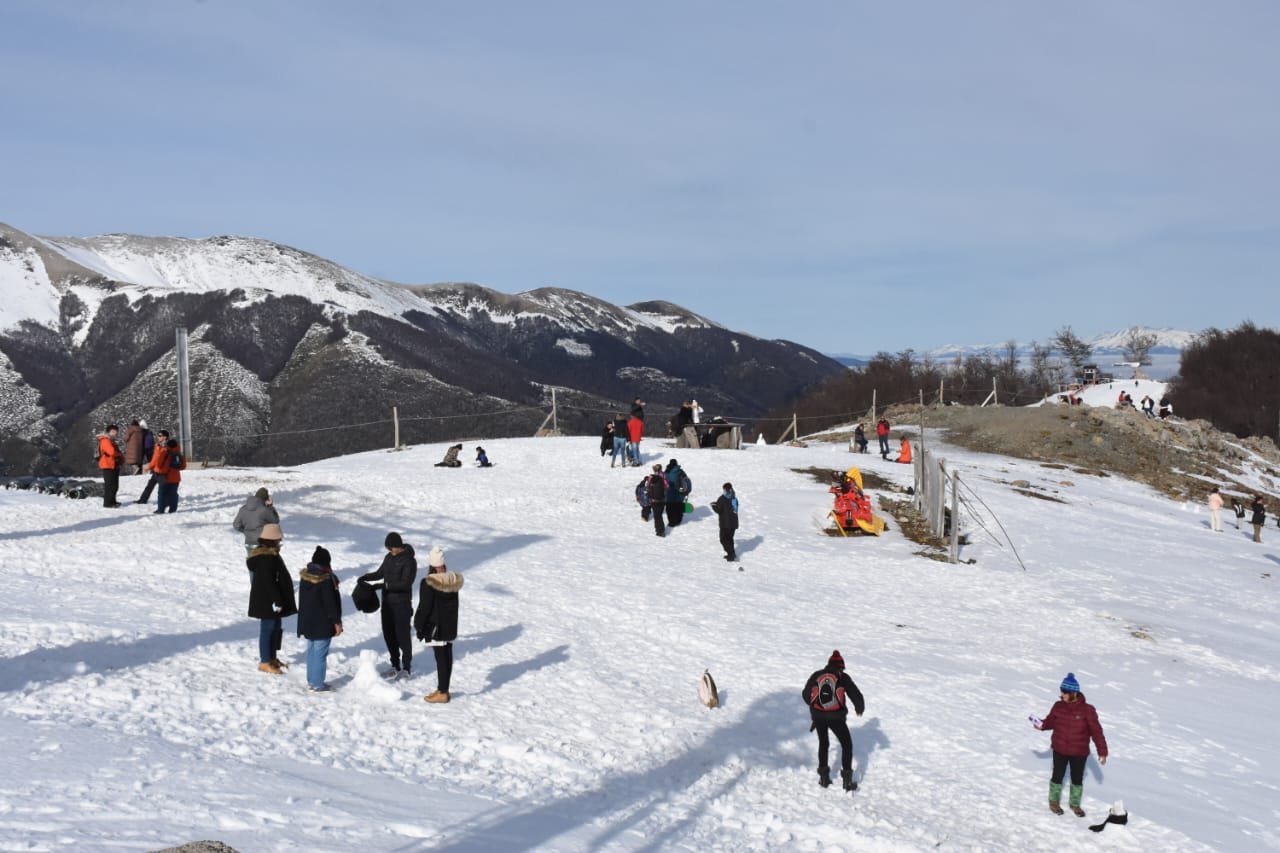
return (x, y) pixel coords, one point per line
(642, 492)
(365, 597)
(683, 484)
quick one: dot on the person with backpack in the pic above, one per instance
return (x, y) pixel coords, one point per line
(398, 571)
(726, 507)
(162, 438)
(882, 432)
(827, 693)
(1258, 517)
(170, 468)
(109, 459)
(678, 487)
(654, 490)
(1074, 722)
(319, 615)
(257, 512)
(436, 621)
(270, 597)
(133, 448)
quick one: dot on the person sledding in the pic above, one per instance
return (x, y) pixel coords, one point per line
(1074, 722)
(827, 693)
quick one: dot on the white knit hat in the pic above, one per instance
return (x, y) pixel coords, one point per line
(436, 557)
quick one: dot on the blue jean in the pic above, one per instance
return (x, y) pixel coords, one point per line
(270, 633)
(317, 654)
(619, 448)
(633, 450)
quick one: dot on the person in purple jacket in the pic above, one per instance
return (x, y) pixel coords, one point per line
(1074, 723)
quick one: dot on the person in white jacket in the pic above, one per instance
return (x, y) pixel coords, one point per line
(1215, 510)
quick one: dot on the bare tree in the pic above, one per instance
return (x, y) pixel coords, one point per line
(1137, 346)
(1075, 350)
(1040, 371)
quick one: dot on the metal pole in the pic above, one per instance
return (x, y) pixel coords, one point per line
(184, 392)
(955, 516)
(395, 419)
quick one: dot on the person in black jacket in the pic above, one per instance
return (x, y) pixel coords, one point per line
(726, 507)
(606, 439)
(1258, 517)
(826, 693)
(398, 571)
(319, 615)
(436, 621)
(675, 497)
(270, 597)
(655, 486)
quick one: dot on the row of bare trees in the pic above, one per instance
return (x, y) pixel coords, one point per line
(968, 379)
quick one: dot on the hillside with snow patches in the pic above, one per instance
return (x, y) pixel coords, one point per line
(132, 715)
(280, 338)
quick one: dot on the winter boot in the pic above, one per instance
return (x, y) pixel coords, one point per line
(436, 697)
(1055, 797)
(847, 777)
(270, 667)
(1077, 791)
(279, 664)
(824, 777)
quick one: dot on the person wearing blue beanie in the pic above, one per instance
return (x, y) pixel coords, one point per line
(1074, 723)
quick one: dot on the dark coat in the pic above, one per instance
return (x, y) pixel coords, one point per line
(606, 438)
(1259, 513)
(1074, 724)
(437, 614)
(637, 411)
(846, 690)
(656, 489)
(673, 485)
(252, 517)
(726, 506)
(133, 445)
(683, 418)
(271, 587)
(319, 604)
(397, 574)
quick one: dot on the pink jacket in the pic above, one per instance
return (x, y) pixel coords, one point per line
(1215, 500)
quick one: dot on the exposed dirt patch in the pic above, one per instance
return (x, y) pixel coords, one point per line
(1182, 459)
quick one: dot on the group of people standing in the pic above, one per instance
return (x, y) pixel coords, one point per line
(318, 604)
(1257, 513)
(621, 436)
(142, 452)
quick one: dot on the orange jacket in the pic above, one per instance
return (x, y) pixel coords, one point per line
(160, 464)
(108, 453)
(157, 458)
(904, 453)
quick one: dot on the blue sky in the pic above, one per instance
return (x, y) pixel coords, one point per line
(855, 176)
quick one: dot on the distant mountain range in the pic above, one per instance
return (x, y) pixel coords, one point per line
(1108, 348)
(294, 357)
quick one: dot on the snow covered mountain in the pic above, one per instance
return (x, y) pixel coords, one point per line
(1108, 348)
(284, 343)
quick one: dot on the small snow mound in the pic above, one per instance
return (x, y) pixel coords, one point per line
(371, 682)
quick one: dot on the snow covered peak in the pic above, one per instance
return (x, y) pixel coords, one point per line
(1174, 339)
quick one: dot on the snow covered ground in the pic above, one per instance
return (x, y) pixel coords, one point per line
(132, 716)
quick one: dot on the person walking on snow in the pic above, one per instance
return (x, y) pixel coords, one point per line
(109, 460)
(827, 693)
(1074, 723)
(677, 483)
(1215, 510)
(270, 597)
(257, 512)
(1258, 518)
(436, 621)
(655, 488)
(726, 507)
(882, 432)
(319, 615)
(398, 571)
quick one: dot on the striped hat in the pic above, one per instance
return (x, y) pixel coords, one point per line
(1069, 684)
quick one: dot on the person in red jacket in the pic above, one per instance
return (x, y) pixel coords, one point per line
(1074, 723)
(109, 460)
(882, 432)
(169, 465)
